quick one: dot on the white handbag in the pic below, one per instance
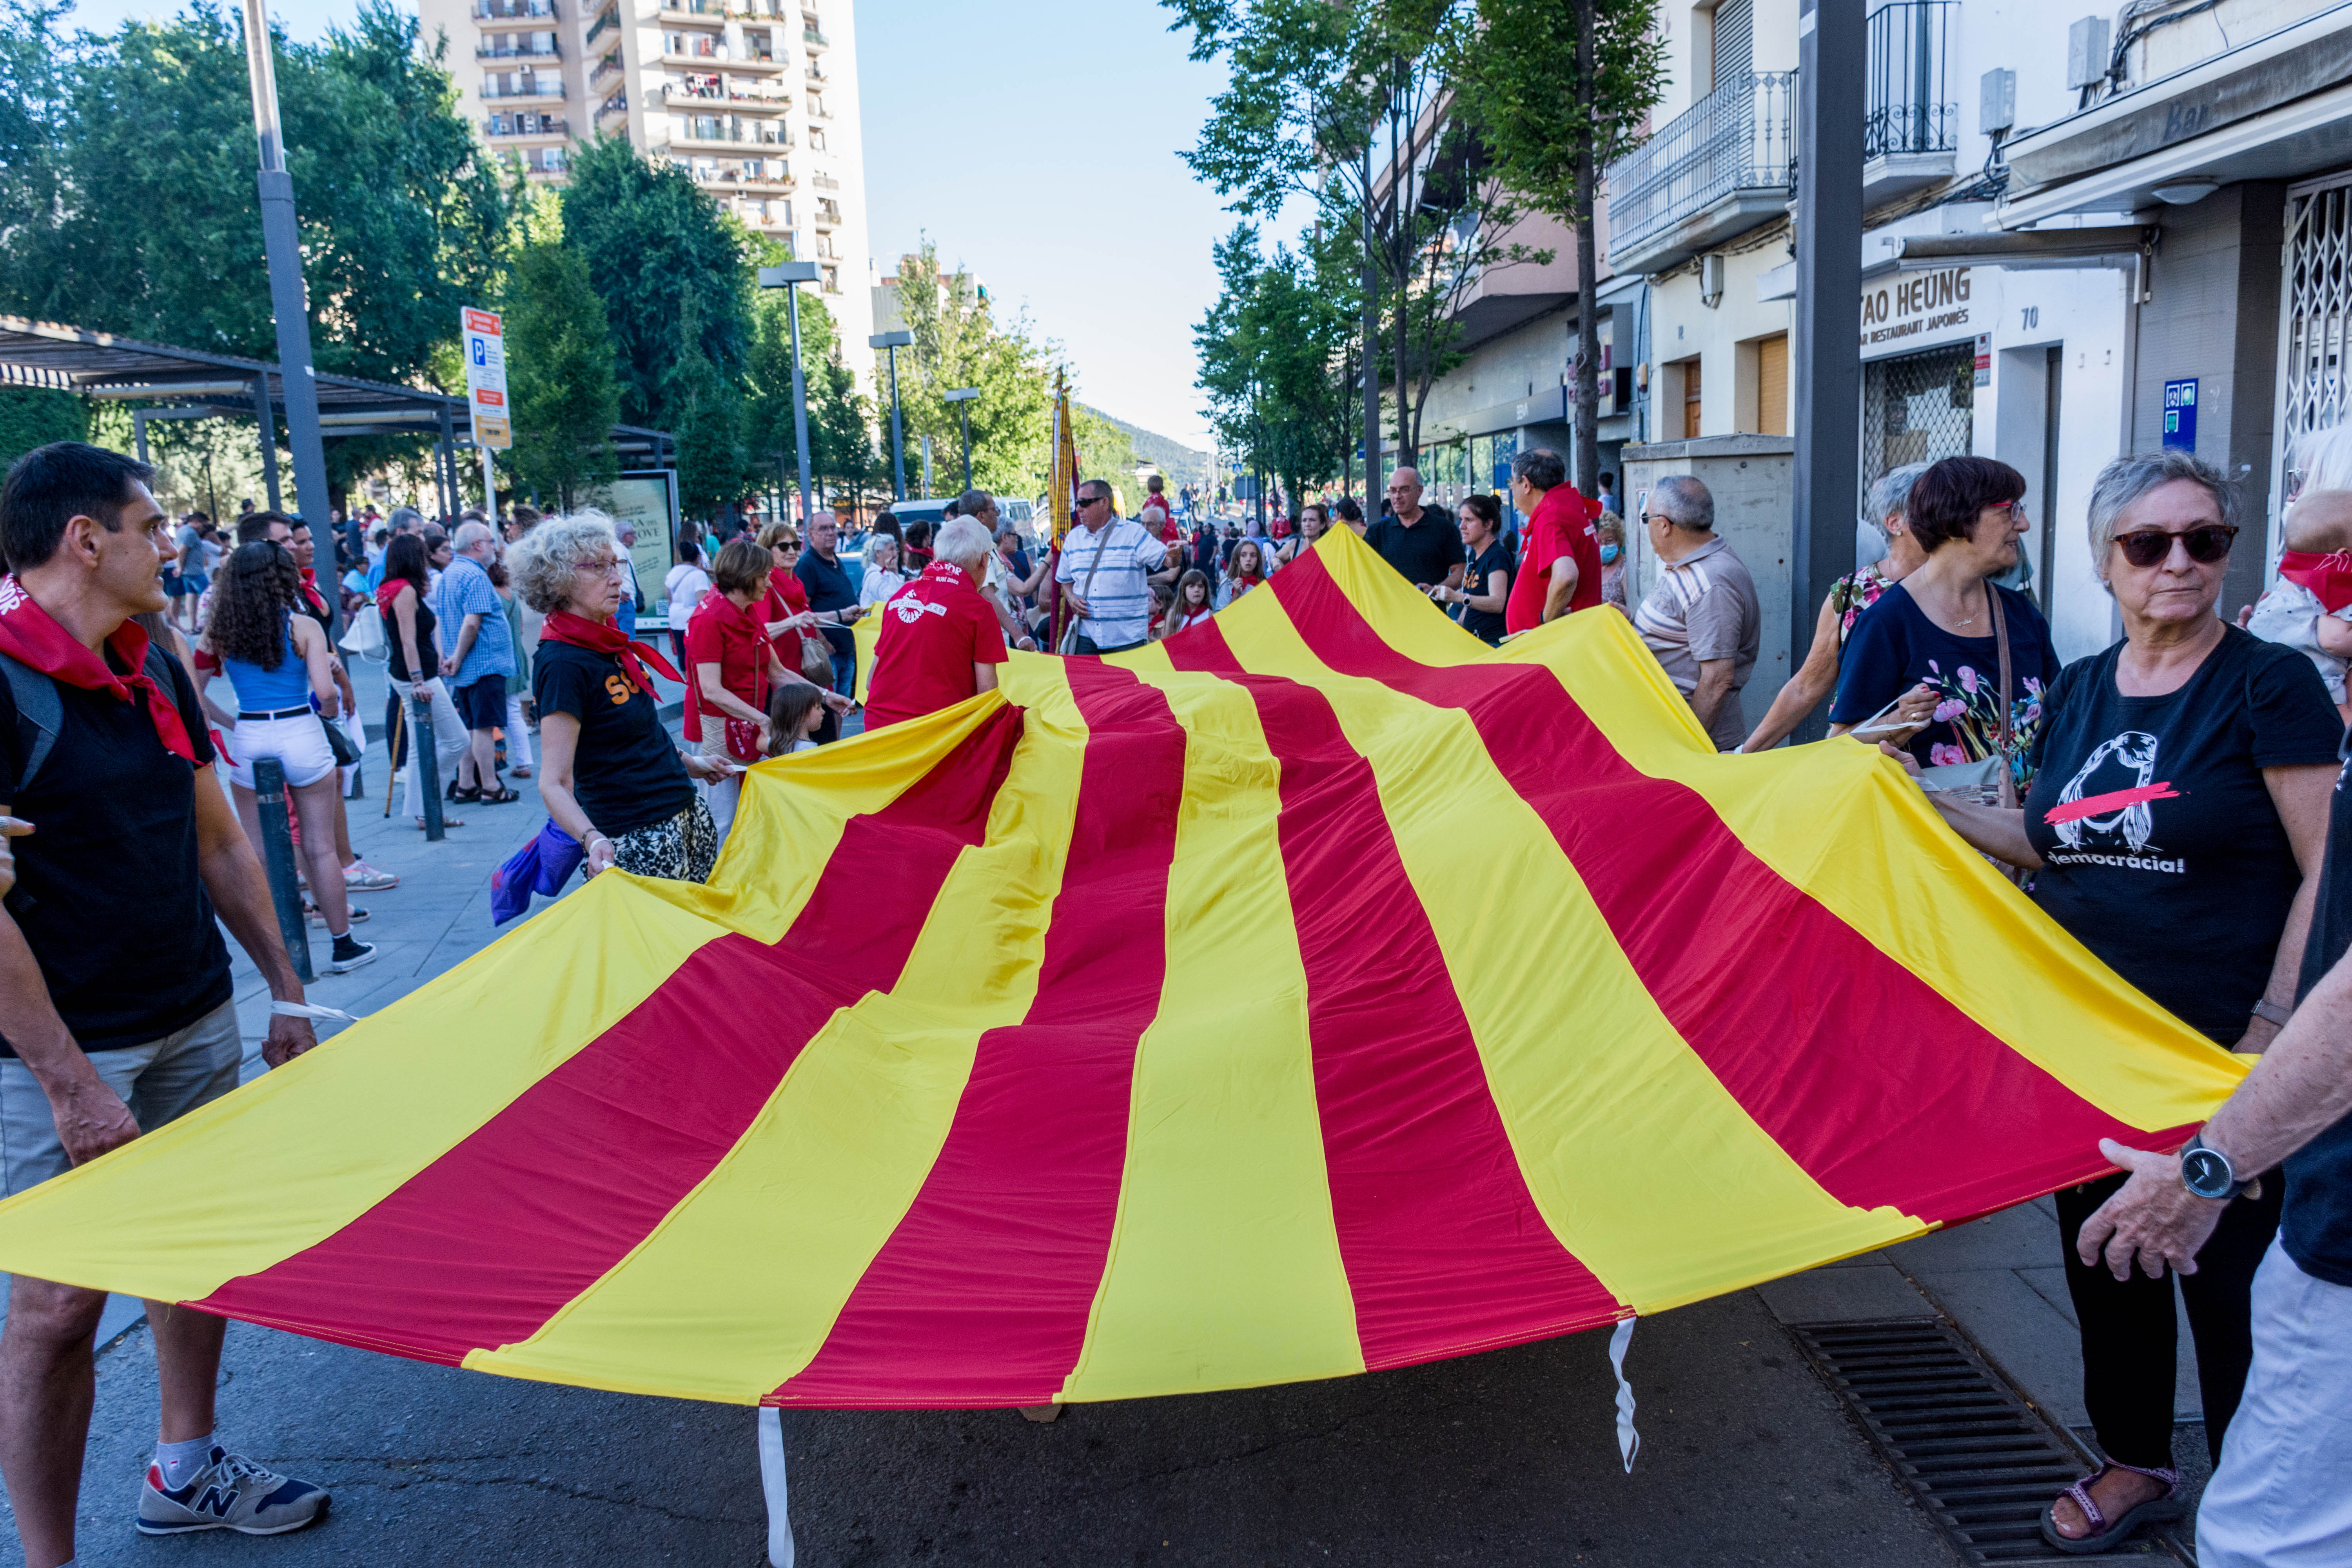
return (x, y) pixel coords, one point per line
(364, 636)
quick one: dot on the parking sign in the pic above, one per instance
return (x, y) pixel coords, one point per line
(485, 378)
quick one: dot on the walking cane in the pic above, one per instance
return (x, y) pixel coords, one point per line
(392, 749)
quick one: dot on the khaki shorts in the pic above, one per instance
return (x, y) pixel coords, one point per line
(161, 1081)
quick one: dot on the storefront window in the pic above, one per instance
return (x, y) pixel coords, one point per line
(1917, 409)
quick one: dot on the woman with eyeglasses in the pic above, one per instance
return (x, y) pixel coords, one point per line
(609, 773)
(2175, 827)
(1939, 632)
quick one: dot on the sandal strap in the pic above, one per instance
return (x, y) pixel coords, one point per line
(2164, 1473)
(2081, 1492)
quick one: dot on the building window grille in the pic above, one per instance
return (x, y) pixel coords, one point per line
(2315, 312)
(1917, 409)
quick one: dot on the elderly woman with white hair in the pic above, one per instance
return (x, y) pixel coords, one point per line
(941, 642)
(609, 773)
(2175, 827)
(1883, 513)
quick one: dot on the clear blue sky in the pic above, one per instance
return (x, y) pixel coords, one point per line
(1037, 141)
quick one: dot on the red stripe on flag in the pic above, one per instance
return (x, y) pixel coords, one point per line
(982, 1295)
(1885, 1091)
(1444, 1250)
(482, 1246)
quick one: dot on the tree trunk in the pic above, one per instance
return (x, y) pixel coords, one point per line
(1588, 266)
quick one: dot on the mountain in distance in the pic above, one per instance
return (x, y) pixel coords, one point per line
(1181, 464)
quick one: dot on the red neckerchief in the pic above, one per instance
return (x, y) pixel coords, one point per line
(311, 586)
(31, 636)
(604, 637)
(390, 591)
(2329, 577)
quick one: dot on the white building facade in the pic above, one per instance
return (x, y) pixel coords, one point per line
(2086, 233)
(757, 99)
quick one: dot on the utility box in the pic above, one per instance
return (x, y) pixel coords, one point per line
(2087, 52)
(1997, 101)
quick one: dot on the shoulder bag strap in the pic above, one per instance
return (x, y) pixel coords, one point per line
(39, 706)
(2000, 638)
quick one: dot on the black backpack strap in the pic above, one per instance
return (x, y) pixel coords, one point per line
(40, 713)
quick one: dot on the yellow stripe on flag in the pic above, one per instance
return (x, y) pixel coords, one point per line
(1810, 813)
(765, 1251)
(1524, 945)
(1224, 1266)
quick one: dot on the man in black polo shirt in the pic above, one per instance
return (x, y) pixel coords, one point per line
(1422, 544)
(2280, 1494)
(115, 1009)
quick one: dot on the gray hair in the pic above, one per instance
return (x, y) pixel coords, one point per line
(2124, 482)
(882, 542)
(540, 563)
(971, 503)
(405, 517)
(1681, 499)
(2324, 457)
(963, 541)
(1892, 492)
(1541, 467)
(469, 534)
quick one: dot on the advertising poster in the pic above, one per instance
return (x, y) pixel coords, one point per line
(647, 500)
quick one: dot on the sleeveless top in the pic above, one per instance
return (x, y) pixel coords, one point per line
(426, 654)
(260, 690)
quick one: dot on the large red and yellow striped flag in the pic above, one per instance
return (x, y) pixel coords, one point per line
(1319, 990)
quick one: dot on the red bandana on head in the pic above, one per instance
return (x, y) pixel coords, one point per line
(29, 635)
(604, 637)
(2329, 577)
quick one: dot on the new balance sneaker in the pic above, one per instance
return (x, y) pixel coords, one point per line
(232, 1492)
(366, 879)
(349, 954)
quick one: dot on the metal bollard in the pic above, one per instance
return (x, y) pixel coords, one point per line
(277, 859)
(428, 765)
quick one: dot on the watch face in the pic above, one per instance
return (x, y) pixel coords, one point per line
(2205, 1173)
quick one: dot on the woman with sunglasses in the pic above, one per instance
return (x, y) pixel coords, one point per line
(1938, 631)
(2175, 827)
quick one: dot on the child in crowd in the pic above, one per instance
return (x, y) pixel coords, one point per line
(1191, 606)
(2310, 606)
(794, 713)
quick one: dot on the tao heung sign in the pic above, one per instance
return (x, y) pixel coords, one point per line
(1918, 308)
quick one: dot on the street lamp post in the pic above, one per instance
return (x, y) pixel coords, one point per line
(963, 395)
(894, 341)
(788, 278)
(282, 239)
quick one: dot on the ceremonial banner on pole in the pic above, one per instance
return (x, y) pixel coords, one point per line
(1062, 501)
(1146, 1025)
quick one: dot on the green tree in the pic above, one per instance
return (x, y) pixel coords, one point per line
(1565, 98)
(1272, 351)
(843, 446)
(960, 343)
(560, 366)
(675, 276)
(134, 209)
(31, 417)
(707, 416)
(1353, 106)
(1105, 452)
(769, 443)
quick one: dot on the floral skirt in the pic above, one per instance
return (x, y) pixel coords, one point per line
(683, 849)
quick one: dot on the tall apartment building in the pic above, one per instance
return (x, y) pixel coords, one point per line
(757, 99)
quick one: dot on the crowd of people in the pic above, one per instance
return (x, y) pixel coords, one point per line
(2174, 803)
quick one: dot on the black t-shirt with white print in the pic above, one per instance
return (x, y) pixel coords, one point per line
(2162, 851)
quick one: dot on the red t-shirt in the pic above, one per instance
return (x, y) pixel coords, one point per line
(786, 596)
(1561, 525)
(933, 631)
(718, 632)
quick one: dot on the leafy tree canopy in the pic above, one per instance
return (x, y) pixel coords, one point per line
(958, 343)
(566, 398)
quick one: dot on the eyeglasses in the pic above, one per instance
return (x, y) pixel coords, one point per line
(2153, 546)
(1090, 501)
(602, 568)
(2014, 510)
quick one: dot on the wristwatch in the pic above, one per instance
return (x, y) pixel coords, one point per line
(2207, 1171)
(2271, 1012)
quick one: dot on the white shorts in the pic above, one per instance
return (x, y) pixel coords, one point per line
(300, 745)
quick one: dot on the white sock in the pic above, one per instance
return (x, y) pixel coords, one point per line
(180, 1462)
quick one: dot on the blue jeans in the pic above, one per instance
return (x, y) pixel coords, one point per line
(844, 674)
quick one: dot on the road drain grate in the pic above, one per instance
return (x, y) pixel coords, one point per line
(1978, 1459)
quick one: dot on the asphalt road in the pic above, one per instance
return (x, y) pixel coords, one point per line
(1504, 1458)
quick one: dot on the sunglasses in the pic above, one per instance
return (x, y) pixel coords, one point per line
(2153, 546)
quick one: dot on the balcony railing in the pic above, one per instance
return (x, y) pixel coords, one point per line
(526, 125)
(1742, 136)
(516, 52)
(609, 66)
(532, 87)
(616, 104)
(1907, 110)
(815, 39)
(825, 182)
(513, 10)
(709, 135)
(603, 24)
